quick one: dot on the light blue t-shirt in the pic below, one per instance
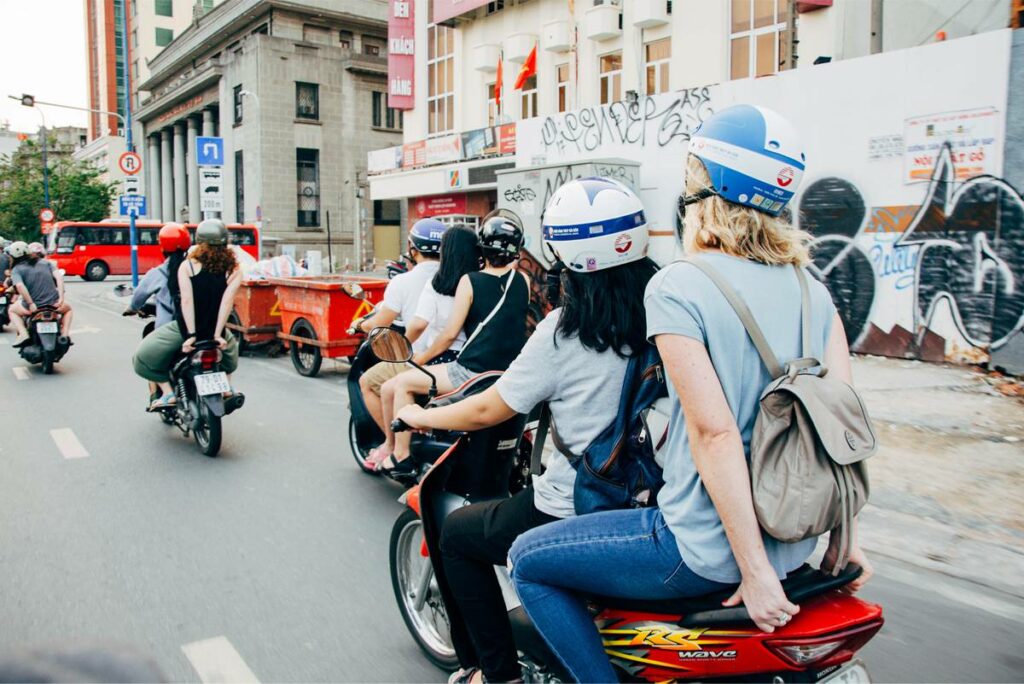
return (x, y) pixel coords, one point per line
(680, 300)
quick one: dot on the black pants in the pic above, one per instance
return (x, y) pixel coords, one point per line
(473, 540)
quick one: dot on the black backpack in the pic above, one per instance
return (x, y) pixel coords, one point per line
(617, 470)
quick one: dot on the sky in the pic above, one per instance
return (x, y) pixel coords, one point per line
(42, 52)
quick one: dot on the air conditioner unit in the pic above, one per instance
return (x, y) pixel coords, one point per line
(555, 36)
(307, 188)
(603, 22)
(485, 58)
(650, 13)
(518, 46)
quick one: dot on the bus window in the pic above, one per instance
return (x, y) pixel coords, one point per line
(242, 237)
(66, 241)
(86, 236)
(118, 236)
(148, 236)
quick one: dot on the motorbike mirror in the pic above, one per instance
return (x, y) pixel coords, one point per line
(390, 345)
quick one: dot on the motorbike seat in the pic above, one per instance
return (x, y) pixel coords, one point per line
(803, 583)
(475, 385)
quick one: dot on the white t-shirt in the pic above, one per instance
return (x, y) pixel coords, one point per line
(402, 294)
(436, 309)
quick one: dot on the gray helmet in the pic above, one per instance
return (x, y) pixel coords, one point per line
(212, 232)
(17, 249)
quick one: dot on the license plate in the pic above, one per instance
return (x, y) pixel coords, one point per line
(212, 383)
(46, 326)
(852, 673)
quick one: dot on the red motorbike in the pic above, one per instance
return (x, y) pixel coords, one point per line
(655, 641)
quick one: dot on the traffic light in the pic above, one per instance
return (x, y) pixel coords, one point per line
(28, 100)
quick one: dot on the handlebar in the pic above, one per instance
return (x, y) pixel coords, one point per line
(399, 425)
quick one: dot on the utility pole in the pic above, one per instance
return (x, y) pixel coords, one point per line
(133, 232)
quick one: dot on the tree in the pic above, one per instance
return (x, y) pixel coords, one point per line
(76, 191)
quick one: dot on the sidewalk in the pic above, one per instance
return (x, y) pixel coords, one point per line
(948, 479)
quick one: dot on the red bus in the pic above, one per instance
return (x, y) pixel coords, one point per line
(96, 250)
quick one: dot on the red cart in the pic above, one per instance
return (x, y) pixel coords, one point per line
(257, 316)
(317, 311)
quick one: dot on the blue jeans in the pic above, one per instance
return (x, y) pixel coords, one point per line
(627, 554)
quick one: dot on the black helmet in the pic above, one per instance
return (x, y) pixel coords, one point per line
(501, 236)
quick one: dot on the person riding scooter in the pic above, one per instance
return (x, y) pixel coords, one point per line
(208, 280)
(576, 361)
(39, 283)
(174, 242)
(491, 307)
(401, 298)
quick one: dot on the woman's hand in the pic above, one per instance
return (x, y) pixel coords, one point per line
(189, 345)
(221, 342)
(857, 557)
(765, 600)
(413, 415)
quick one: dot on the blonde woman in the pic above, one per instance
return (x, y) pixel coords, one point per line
(745, 163)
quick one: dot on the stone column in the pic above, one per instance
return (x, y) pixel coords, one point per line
(180, 192)
(153, 167)
(194, 215)
(208, 129)
(166, 179)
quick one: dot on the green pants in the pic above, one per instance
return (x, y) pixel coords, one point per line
(158, 350)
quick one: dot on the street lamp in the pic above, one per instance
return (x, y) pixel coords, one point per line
(29, 101)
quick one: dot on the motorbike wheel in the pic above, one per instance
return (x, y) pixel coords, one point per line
(208, 434)
(305, 357)
(358, 452)
(429, 627)
(47, 363)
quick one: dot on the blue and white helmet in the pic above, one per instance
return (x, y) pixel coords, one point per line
(753, 155)
(425, 236)
(595, 223)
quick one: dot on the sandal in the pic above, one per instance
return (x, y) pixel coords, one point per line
(164, 402)
(392, 467)
(463, 675)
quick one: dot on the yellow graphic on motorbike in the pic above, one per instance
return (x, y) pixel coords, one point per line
(666, 639)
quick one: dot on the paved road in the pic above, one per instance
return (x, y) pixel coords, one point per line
(279, 546)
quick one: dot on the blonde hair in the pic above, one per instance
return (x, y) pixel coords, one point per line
(737, 230)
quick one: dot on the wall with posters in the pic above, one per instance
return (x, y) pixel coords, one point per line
(918, 234)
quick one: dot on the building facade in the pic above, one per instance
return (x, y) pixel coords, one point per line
(296, 92)
(908, 112)
(591, 53)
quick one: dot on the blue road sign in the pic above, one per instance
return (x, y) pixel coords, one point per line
(133, 205)
(209, 151)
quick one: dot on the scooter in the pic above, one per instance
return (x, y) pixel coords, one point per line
(46, 346)
(661, 640)
(385, 344)
(6, 292)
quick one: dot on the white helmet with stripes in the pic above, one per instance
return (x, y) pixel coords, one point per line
(595, 223)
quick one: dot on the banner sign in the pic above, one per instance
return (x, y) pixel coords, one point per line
(401, 53)
(441, 205)
(971, 133)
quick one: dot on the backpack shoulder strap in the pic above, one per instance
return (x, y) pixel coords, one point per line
(771, 362)
(545, 425)
(805, 312)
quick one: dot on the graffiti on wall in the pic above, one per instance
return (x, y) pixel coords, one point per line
(960, 253)
(648, 121)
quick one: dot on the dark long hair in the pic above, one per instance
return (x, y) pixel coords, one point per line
(174, 260)
(605, 309)
(460, 254)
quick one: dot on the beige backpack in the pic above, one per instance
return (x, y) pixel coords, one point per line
(811, 437)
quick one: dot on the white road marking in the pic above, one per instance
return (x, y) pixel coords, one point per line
(68, 443)
(86, 329)
(21, 372)
(216, 661)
